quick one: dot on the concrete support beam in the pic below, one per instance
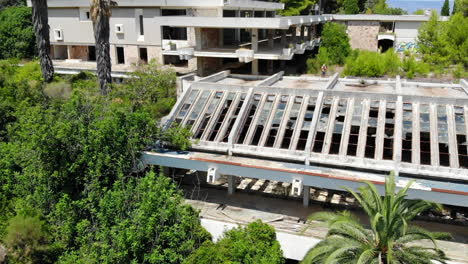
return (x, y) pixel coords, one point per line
(299, 123)
(215, 77)
(267, 125)
(254, 40)
(347, 128)
(306, 196)
(380, 134)
(361, 149)
(271, 38)
(200, 116)
(231, 184)
(416, 142)
(464, 85)
(271, 80)
(229, 114)
(397, 134)
(69, 52)
(198, 38)
(284, 121)
(255, 67)
(189, 111)
(253, 125)
(398, 85)
(452, 137)
(240, 118)
(283, 38)
(302, 32)
(434, 135)
(332, 81)
(313, 126)
(330, 125)
(214, 117)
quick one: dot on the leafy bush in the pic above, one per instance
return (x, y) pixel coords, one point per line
(254, 244)
(336, 42)
(16, 33)
(412, 67)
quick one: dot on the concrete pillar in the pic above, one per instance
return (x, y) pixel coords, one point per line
(254, 39)
(294, 34)
(283, 38)
(231, 184)
(271, 38)
(270, 66)
(283, 65)
(255, 67)
(309, 33)
(198, 38)
(302, 32)
(237, 33)
(69, 52)
(306, 196)
(221, 38)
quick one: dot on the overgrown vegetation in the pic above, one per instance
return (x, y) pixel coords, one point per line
(254, 244)
(16, 33)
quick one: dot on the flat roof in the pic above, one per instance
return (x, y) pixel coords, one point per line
(371, 17)
(383, 125)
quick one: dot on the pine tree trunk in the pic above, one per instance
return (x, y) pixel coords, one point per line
(101, 35)
(41, 29)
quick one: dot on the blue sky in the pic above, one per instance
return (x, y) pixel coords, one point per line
(412, 5)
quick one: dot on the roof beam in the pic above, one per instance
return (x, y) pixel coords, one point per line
(313, 126)
(299, 123)
(240, 119)
(398, 129)
(201, 115)
(416, 137)
(176, 108)
(330, 125)
(398, 89)
(347, 127)
(452, 137)
(215, 77)
(434, 135)
(253, 125)
(189, 111)
(332, 81)
(361, 149)
(380, 134)
(271, 80)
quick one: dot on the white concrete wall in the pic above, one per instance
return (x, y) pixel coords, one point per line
(406, 33)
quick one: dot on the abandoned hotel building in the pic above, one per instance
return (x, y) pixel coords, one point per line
(305, 131)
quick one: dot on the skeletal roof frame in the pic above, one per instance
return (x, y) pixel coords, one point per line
(331, 121)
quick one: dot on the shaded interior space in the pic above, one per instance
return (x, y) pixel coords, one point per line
(73, 52)
(143, 55)
(120, 54)
(174, 60)
(59, 52)
(174, 33)
(385, 44)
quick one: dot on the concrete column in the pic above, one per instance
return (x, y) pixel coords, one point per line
(231, 184)
(255, 67)
(221, 38)
(270, 67)
(237, 33)
(302, 32)
(309, 32)
(283, 65)
(198, 38)
(254, 39)
(294, 34)
(306, 196)
(69, 52)
(283, 38)
(271, 38)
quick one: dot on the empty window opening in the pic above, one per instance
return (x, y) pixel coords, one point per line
(442, 128)
(142, 29)
(306, 123)
(389, 131)
(143, 55)
(248, 121)
(322, 125)
(318, 144)
(460, 130)
(88, 16)
(174, 33)
(425, 147)
(173, 12)
(229, 13)
(222, 115)
(355, 128)
(291, 123)
(208, 114)
(263, 119)
(92, 53)
(338, 127)
(120, 55)
(175, 61)
(277, 118)
(370, 143)
(232, 120)
(407, 136)
(335, 144)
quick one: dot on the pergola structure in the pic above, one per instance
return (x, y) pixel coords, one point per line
(351, 127)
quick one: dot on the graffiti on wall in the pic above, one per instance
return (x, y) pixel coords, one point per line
(407, 46)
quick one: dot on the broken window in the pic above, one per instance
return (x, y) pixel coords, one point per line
(462, 144)
(307, 121)
(407, 136)
(442, 128)
(355, 129)
(250, 115)
(389, 131)
(233, 118)
(372, 130)
(276, 122)
(222, 115)
(208, 114)
(425, 135)
(291, 122)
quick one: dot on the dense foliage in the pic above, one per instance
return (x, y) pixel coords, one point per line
(254, 244)
(67, 171)
(391, 238)
(16, 33)
(445, 10)
(296, 7)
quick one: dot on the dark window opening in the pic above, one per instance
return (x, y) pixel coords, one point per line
(175, 61)
(385, 44)
(425, 148)
(88, 15)
(220, 120)
(271, 137)
(248, 121)
(143, 55)
(142, 30)
(174, 33)
(462, 151)
(370, 143)
(318, 143)
(335, 144)
(120, 55)
(257, 135)
(258, 14)
(229, 13)
(287, 138)
(92, 53)
(353, 140)
(173, 12)
(444, 156)
(302, 140)
(407, 145)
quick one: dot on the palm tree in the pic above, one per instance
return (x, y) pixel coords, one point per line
(100, 14)
(391, 240)
(41, 29)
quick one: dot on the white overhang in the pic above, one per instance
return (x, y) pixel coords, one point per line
(240, 22)
(389, 18)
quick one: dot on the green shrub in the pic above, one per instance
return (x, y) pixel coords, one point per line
(336, 41)
(16, 33)
(366, 63)
(411, 67)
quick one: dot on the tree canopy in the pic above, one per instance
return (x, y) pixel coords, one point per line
(254, 244)
(16, 33)
(445, 11)
(336, 42)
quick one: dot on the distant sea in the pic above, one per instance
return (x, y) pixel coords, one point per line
(412, 5)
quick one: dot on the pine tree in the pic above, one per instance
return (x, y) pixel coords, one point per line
(445, 9)
(455, 7)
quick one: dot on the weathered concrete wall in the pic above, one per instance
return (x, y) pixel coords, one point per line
(207, 65)
(78, 52)
(154, 53)
(209, 38)
(131, 54)
(363, 34)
